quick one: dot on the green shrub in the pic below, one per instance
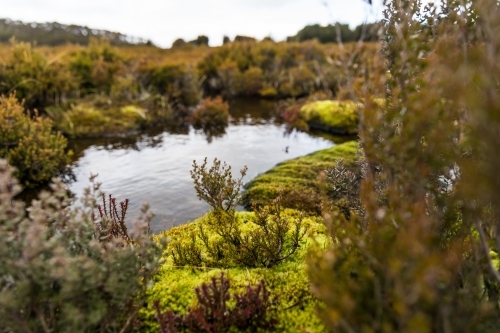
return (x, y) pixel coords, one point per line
(34, 78)
(269, 239)
(178, 83)
(211, 116)
(29, 144)
(67, 269)
(340, 117)
(96, 67)
(250, 82)
(420, 257)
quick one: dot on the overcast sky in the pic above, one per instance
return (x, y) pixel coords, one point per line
(163, 21)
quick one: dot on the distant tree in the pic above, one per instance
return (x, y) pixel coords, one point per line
(53, 33)
(226, 40)
(244, 39)
(178, 42)
(201, 40)
(330, 33)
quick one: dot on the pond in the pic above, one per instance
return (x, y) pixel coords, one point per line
(154, 166)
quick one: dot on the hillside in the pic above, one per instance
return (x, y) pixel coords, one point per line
(53, 33)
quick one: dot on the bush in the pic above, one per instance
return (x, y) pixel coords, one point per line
(423, 255)
(178, 83)
(29, 144)
(67, 270)
(96, 67)
(34, 78)
(269, 238)
(211, 116)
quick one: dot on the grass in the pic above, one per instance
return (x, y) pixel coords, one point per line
(174, 286)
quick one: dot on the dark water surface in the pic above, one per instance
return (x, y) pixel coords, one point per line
(154, 167)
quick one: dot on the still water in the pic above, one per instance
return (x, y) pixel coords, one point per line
(154, 167)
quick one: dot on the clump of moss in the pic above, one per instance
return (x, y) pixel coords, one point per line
(174, 286)
(298, 178)
(88, 120)
(339, 117)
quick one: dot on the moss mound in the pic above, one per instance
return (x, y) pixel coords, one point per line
(174, 286)
(87, 120)
(339, 117)
(298, 178)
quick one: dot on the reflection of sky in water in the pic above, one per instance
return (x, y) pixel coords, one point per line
(155, 169)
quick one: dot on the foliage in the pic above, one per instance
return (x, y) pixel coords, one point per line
(253, 310)
(174, 286)
(199, 41)
(177, 82)
(340, 117)
(96, 68)
(298, 179)
(33, 77)
(53, 33)
(419, 258)
(272, 238)
(211, 116)
(29, 144)
(338, 32)
(64, 269)
(250, 69)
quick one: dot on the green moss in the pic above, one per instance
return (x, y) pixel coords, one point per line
(332, 116)
(298, 178)
(174, 287)
(87, 120)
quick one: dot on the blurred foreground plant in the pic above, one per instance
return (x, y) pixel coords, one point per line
(417, 252)
(63, 269)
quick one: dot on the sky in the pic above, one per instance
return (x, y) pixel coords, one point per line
(163, 21)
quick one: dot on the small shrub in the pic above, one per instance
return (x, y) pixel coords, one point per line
(211, 116)
(254, 309)
(271, 239)
(29, 144)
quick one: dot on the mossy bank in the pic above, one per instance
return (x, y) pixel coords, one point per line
(298, 178)
(174, 286)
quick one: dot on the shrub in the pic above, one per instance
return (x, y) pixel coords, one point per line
(253, 310)
(267, 241)
(211, 116)
(250, 82)
(177, 82)
(34, 78)
(96, 67)
(65, 269)
(422, 256)
(29, 144)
